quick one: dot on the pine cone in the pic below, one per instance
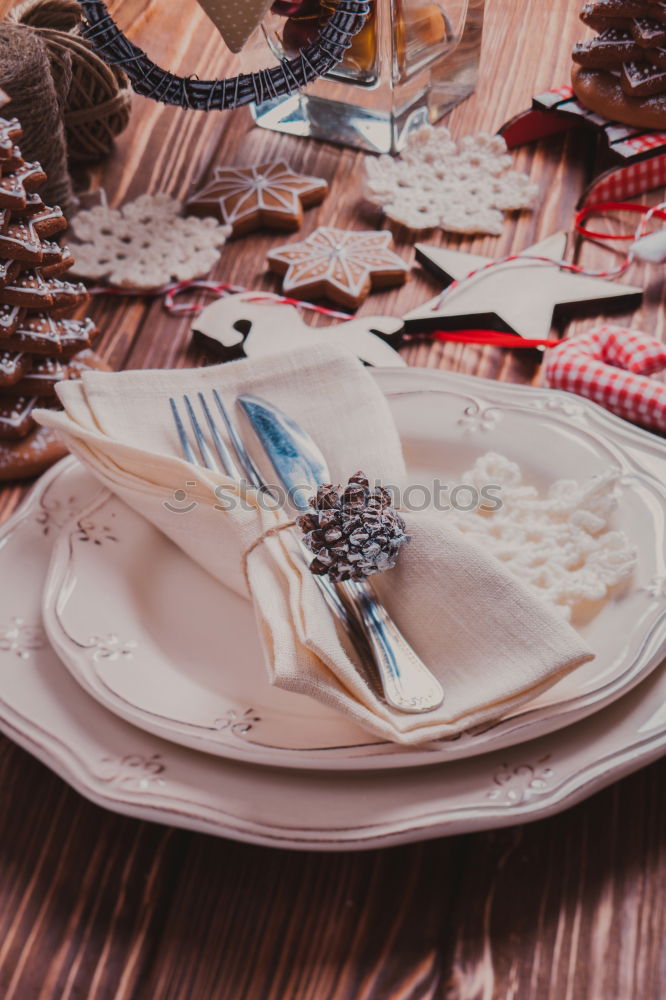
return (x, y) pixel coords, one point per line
(352, 535)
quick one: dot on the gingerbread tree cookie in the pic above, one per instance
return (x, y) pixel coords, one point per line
(621, 72)
(39, 345)
(339, 264)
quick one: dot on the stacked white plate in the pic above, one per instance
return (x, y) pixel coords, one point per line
(139, 679)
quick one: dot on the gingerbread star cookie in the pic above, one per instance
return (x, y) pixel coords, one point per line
(339, 264)
(32, 290)
(43, 375)
(43, 334)
(19, 182)
(16, 417)
(13, 367)
(31, 455)
(10, 131)
(10, 317)
(22, 238)
(271, 195)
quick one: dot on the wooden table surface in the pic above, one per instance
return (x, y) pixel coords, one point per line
(99, 907)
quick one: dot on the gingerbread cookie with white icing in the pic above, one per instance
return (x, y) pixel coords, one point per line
(25, 459)
(621, 74)
(341, 265)
(271, 196)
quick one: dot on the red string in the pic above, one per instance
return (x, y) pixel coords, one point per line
(222, 288)
(491, 338)
(612, 206)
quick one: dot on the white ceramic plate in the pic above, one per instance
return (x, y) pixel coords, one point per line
(129, 771)
(156, 640)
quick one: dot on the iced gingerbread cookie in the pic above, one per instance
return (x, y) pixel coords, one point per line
(271, 196)
(45, 374)
(30, 457)
(45, 335)
(10, 133)
(621, 74)
(15, 185)
(22, 237)
(32, 290)
(13, 368)
(16, 417)
(339, 264)
(603, 93)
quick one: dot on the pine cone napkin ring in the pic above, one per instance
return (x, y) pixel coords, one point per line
(353, 534)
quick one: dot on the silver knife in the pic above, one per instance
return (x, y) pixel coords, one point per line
(407, 683)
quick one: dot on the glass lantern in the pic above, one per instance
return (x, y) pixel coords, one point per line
(410, 64)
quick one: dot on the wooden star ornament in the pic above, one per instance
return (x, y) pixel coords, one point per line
(522, 297)
(339, 264)
(271, 195)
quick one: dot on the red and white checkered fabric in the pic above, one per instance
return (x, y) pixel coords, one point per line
(611, 365)
(626, 182)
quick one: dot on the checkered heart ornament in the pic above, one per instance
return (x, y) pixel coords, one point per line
(612, 365)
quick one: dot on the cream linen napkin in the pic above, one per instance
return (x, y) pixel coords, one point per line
(492, 644)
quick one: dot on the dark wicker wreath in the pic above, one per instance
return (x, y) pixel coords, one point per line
(287, 77)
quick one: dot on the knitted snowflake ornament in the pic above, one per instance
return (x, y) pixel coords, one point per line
(146, 243)
(464, 188)
(561, 544)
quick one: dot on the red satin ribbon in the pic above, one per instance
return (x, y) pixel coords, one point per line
(489, 338)
(612, 206)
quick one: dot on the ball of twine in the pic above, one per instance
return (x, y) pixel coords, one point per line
(96, 103)
(25, 74)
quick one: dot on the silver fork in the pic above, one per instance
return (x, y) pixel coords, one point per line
(226, 463)
(373, 634)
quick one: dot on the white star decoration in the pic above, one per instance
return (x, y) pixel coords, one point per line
(271, 195)
(342, 265)
(517, 297)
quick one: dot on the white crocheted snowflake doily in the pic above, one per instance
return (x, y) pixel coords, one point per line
(463, 188)
(145, 244)
(561, 544)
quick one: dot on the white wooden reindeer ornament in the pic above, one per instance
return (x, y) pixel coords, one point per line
(244, 324)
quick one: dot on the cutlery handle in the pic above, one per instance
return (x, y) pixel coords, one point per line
(335, 603)
(407, 683)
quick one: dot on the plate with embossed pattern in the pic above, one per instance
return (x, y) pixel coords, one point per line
(127, 770)
(157, 641)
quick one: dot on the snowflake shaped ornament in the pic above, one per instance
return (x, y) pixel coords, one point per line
(464, 188)
(146, 243)
(248, 198)
(560, 542)
(340, 264)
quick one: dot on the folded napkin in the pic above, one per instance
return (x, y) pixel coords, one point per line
(491, 642)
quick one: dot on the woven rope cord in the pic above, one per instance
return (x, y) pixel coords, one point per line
(35, 99)
(95, 97)
(288, 76)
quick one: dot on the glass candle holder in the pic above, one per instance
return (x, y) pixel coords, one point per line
(410, 64)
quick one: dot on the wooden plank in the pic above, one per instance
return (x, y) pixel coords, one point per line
(100, 907)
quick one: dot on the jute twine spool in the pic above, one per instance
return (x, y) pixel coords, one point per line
(26, 76)
(97, 99)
